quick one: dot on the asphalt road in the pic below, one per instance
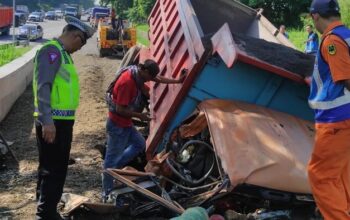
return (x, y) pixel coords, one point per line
(51, 29)
(54, 29)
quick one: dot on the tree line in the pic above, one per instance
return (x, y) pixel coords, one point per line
(277, 11)
(292, 13)
(135, 10)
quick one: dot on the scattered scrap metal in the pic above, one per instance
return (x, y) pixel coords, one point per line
(5, 150)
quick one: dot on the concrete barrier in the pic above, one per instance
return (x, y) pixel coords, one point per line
(14, 78)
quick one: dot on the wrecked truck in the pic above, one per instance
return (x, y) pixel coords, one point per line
(238, 133)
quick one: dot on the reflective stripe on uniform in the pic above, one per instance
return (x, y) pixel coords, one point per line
(318, 80)
(324, 105)
(348, 41)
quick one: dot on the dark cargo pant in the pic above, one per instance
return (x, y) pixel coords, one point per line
(52, 170)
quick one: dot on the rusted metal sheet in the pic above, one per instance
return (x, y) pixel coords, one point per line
(73, 202)
(260, 146)
(176, 208)
(195, 127)
(157, 164)
(133, 173)
(223, 44)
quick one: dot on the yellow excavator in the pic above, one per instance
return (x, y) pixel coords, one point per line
(117, 39)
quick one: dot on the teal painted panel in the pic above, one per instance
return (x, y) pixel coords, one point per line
(241, 82)
(246, 83)
(249, 84)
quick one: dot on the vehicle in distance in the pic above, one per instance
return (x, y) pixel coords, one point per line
(36, 16)
(59, 13)
(23, 9)
(20, 19)
(30, 31)
(72, 11)
(51, 15)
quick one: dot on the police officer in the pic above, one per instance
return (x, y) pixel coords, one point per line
(56, 97)
(330, 98)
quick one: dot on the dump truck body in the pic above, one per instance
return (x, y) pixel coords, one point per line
(184, 37)
(240, 116)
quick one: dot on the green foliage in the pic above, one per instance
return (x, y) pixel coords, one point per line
(9, 52)
(298, 38)
(141, 31)
(140, 10)
(122, 7)
(281, 11)
(142, 27)
(136, 11)
(345, 11)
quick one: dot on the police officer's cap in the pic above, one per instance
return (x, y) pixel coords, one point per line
(87, 29)
(324, 6)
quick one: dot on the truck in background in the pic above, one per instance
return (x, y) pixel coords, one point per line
(115, 42)
(20, 19)
(73, 10)
(23, 9)
(6, 16)
(97, 10)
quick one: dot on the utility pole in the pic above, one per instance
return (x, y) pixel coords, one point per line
(14, 21)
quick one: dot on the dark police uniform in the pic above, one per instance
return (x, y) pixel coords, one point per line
(56, 97)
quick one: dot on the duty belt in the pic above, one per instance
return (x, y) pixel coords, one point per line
(63, 113)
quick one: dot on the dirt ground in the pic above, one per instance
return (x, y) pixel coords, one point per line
(18, 181)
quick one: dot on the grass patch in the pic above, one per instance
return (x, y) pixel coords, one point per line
(142, 41)
(345, 11)
(10, 52)
(298, 37)
(142, 27)
(142, 34)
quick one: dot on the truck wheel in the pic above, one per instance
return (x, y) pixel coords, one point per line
(100, 53)
(5, 32)
(129, 57)
(103, 53)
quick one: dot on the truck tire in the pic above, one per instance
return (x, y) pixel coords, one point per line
(103, 52)
(130, 56)
(5, 32)
(17, 21)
